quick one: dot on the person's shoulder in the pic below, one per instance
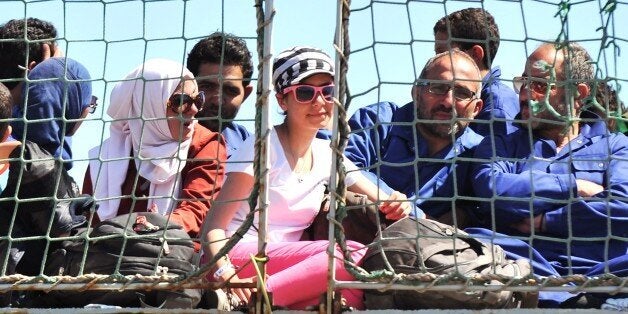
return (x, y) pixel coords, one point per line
(470, 138)
(501, 95)
(239, 129)
(235, 135)
(381, 112)
(322, 152)
(202, 137)
(511, 140)
(502, 91)
(493, 81)
(201, 132)
(384, 106)
(41, 163)
(319, 144)
(619, 140)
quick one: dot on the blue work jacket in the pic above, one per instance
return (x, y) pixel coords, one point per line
(385, 142)
(500, 103)
(526, 177)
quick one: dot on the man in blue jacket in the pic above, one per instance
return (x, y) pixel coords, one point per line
(415, 149)
(561, 179)
(474, 31)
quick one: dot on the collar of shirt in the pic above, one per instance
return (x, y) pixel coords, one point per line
(589, 132)
(234, 135)
(491, 77)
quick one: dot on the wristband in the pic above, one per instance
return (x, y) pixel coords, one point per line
(222, 270)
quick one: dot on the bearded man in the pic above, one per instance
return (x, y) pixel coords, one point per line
(415, 149)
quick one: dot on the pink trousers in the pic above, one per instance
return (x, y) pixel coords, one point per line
(298, 271)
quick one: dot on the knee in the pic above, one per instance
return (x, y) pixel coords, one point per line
(356, 249)
(355, 246)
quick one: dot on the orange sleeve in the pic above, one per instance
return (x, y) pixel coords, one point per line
(202, 177)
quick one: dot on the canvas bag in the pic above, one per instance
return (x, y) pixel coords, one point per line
(436, 251)
(153, 247)
(359, 225)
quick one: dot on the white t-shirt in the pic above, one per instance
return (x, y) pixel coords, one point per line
(294, 199)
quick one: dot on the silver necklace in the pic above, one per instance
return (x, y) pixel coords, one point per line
(299, 168)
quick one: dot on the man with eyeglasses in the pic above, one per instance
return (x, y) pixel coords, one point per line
(561, 178)
(474, 31)
(223, 68)
(415, 148)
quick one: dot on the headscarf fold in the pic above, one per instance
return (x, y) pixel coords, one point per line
(140, 130)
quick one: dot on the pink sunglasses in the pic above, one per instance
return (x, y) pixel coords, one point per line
(305, 94)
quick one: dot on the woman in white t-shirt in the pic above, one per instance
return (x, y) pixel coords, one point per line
(299, 170)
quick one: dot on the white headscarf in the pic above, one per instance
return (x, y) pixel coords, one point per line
(138, 108)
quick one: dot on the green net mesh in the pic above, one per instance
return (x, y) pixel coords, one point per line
(380, 48)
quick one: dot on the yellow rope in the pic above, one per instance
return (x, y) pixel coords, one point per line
(258, 273)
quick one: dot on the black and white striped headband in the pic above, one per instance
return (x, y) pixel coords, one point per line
(298, 63)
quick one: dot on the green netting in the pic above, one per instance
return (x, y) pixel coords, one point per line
(405, 44)
(380, 47)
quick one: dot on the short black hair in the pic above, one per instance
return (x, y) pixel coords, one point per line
(6, 105)
(210, 50)
(15, 53)
(475, 24)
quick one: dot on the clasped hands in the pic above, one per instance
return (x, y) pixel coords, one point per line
(585, 188)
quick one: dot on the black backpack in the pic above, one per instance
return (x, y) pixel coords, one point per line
(360, 224)
(153, 246)
(39, 189)
(417, 246)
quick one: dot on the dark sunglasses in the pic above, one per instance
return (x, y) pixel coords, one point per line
(182, 103)
(460, 93)
(539, 85)
(93, 104)
(305, 94)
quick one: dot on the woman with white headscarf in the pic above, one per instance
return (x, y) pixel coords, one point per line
(157, 157)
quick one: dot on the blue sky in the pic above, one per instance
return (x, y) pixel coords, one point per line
(391, 39)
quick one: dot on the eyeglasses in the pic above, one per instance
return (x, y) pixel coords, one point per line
(305, 94)
(538, 85)
(460, 93)
(182, 102)
(93, 104)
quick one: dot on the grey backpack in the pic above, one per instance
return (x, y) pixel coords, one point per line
(416, 246)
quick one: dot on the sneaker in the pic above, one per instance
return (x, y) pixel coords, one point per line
(616, 305)
(218, 299)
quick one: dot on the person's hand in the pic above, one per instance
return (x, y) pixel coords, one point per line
(241, 295)
(526, 225)
(396, 206)
(50, 50)
(588, 188)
